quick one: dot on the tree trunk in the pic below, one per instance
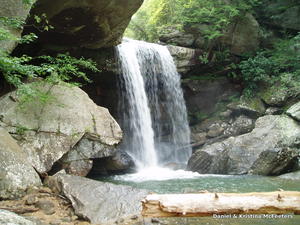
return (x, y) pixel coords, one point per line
(207, 204)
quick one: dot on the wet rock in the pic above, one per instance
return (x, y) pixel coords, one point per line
(291, 176)
(16, 173)
(294, 111)
(46, 206)
(46, 132)
(97, 201)
(10, 218)
(270, 149)
(121, 161)
(87, 23)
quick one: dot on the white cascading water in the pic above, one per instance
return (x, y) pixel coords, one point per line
(154, 117)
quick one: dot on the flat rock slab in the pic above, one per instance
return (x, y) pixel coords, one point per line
(99, 202)
(10, 218)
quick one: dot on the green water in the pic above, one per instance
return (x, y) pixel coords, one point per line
(212, 183)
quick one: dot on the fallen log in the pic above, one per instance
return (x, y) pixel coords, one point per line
(208, 204)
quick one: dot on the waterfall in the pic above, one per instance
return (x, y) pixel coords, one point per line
(154, 117)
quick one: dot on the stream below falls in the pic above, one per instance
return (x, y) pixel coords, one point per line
(156, 133)
(188, 182)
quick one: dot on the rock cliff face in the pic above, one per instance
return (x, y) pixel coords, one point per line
(69, 125)
(281, 14)
(86, 23)
(240, 37)
(13, 9)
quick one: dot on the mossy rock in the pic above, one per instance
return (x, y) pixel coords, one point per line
(274, 96)
(252, 107)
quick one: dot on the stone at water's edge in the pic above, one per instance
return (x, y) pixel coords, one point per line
(270, 149)
(291, 176)
(294, 111)
(48, 132)
(9, 218)
(16, 173)
(99, 202)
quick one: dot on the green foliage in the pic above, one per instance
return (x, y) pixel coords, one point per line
(20, 130)
(157, 15)
(52, 70)
(42, 23)
(280, 64)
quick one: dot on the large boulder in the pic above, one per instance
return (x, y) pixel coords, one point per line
(291, 176)
(69, 123)
(203, 93)
(185, 58)
(270, 149)
(10, 218)
(294, 111)
(99, 202)
(86, 23)
(251, 107)
(173, 36)
(13, 10)
(16, 173)
(242, 36)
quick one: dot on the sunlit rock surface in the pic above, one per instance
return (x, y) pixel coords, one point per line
(97, 201)
(16, 173)
(46, 132)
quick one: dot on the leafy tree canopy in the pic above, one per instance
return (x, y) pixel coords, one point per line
(156, 15)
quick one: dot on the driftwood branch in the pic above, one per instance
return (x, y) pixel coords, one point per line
(207, 204)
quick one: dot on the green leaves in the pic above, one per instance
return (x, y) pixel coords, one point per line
(280, 64)
(156, 15)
